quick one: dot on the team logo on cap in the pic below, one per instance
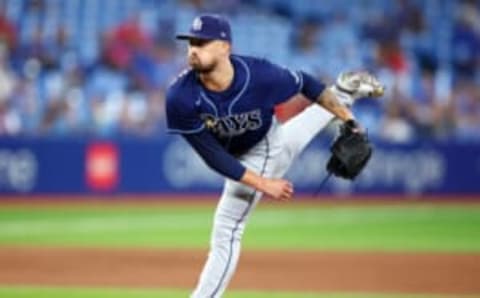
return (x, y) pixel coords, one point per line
(197, 24)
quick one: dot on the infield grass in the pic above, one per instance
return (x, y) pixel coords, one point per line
(47, 292)
(416, 227)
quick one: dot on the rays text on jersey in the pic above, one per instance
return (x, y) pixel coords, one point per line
(233, 125)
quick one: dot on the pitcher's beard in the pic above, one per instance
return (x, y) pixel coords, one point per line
(203, 69)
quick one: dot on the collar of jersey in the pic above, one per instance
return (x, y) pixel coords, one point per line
(240, 93)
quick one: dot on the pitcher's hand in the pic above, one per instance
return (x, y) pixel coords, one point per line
(278, 189)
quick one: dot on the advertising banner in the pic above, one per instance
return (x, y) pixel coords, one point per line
(137, 166)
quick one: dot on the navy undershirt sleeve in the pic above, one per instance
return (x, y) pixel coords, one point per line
(312, 87)
(215, 156)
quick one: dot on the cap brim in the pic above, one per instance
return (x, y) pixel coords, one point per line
(192, 36)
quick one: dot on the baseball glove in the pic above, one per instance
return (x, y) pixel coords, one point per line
(351, 151)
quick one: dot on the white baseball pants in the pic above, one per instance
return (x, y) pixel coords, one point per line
(270, 158)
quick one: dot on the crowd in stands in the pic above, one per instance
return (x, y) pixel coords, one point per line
(101, 67)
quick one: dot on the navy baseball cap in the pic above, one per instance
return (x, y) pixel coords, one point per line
(209, 27)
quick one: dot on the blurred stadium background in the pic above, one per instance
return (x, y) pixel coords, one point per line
(82, 90)
(100, 68)
(79, 72)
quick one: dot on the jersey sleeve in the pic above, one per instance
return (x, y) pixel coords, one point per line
(215, 156)
(285, 83)
(181, 115)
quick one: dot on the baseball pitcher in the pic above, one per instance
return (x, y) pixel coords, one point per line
(224, 107)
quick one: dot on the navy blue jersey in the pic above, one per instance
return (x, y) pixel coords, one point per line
(240, 116)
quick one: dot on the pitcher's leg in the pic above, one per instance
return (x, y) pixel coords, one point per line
(229, 224)
(234, 208)
(299, 131)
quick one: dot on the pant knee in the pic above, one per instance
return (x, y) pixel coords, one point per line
(224, 233)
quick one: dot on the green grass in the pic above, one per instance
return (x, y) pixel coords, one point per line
(44, 292)
(426, 227)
